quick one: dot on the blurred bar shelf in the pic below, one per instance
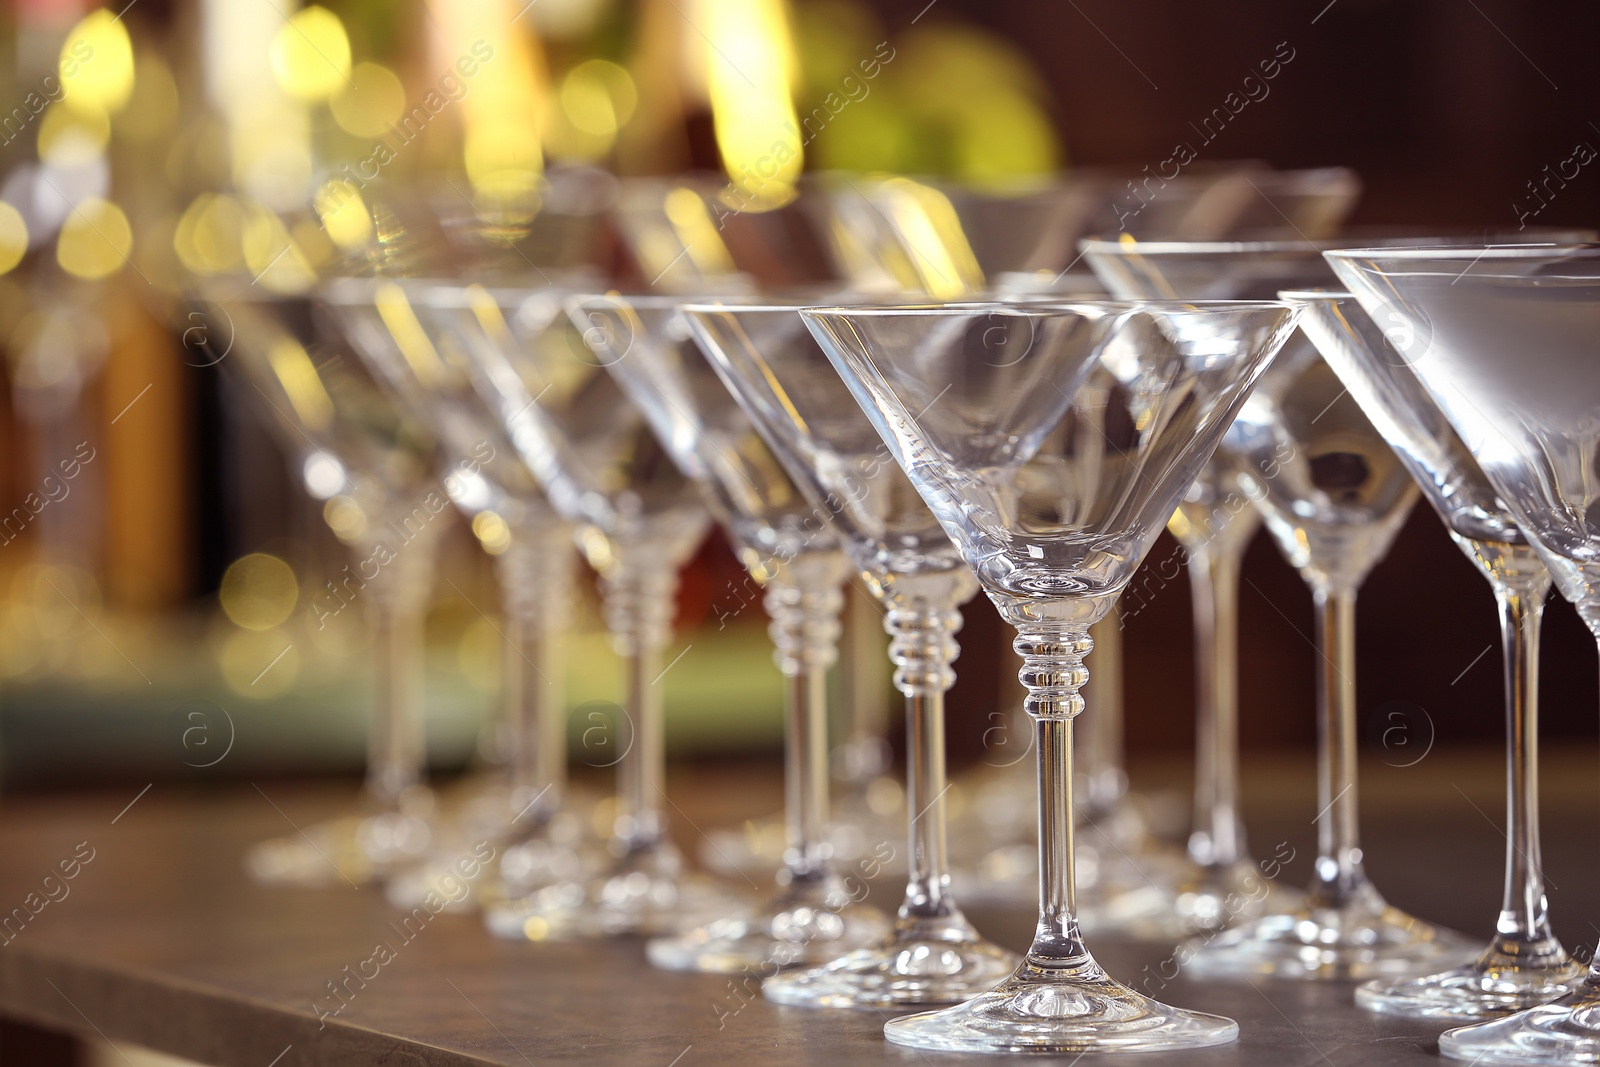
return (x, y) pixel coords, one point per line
(160, 941)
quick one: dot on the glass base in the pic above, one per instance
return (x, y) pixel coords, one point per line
(860, 825)
(786, 933)
(555, 851)
(917, 965)
(1566, 1031)
(646, 892)
(358, 848)
(1200, 900)
(1497, 984)
(1364, 938)
(1061, 1011)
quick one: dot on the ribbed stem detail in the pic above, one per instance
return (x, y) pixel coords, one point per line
(1053, 671)
(922, 646)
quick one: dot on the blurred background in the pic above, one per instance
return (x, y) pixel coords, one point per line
(159, 565)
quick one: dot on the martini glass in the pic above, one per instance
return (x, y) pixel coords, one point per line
(532, 551)
(1524, 964)
(1504, 341)
(784, 382)
(791, 550)
(1054, 515)
(638, 521)
(1333, 495)
(368, 462)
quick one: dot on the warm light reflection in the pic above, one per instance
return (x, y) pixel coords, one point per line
(96, 64)
(492, 532)
(258, 591)
(371, 103)
(938, 248)
(298, 375)
(503, 110)
(13, 237)
(344, 214)
(749, 65)
(311, 55)
(95, 240)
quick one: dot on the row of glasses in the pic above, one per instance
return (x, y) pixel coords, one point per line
(637, 522)
(368, 463)
(1502, 340)
(791, 550)
(1052, 471)
(528, 814)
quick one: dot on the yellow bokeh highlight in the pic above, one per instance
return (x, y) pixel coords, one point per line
(208, 238)
(311, 55)
(95, 240)
(749, 73)
(504, 112)
(70, 138)
(346, 518)
(259, 664)
(371, 103)
(292, 366)
(13, 237)
(271, 256)
(96, 64)
(492, 532)
(344, 214)
(258, 591)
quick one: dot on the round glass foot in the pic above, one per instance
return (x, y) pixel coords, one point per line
(1061, 1011)
(1497, 984)
(785, 934)
(644, 893)
(1365, 938)
(1200, 900)
(485, 872)
(1565, 1032)
(358, 848)
(907, 970)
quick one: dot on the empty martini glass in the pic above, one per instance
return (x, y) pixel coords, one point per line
(532, 551)
(1333, 495)
(785, 384)
(791, 550)
(1524, 964)
(1054, 515)
(368, 462)
(1504, 340)
(638, 521)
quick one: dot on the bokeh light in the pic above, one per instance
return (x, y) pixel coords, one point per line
(311, 55)
(13, 237)
(258, 591)
(96, 64)
(70, 138)
(95, 240)
(344, 214)
(371, 103)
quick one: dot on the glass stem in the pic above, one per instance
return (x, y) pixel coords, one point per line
(1054, 673)
(1218, 836)
(1339, 874)
(922, 646)
(804, 601)
(862, 754)
(533, 574)
(396, 738)
(639, 603)
(1101, 746)
(1523, 930)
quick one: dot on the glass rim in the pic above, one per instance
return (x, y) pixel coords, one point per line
(1427, 253)
(1316, 246)
(1306, 296)
(1037, 307)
